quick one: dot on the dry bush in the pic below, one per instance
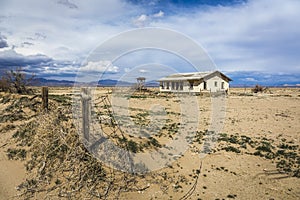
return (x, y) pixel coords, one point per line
(59, 165)
(16, 81)
(257, 89)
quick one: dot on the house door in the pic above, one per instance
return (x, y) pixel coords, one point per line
(204, 85)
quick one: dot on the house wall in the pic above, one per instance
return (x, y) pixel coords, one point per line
(218, 87)
(184, 86)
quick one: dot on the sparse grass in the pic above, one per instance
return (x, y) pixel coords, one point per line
(8, 127)
(25, 134)
(15, 110)
(288, 159)
(65, 100)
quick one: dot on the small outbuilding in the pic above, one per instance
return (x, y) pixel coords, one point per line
(195, 82)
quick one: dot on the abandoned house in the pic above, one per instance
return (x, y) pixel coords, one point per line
(195, 82)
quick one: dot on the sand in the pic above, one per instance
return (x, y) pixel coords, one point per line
(224, 175)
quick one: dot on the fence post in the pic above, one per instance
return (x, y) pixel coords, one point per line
(45, 98)
(85, 99)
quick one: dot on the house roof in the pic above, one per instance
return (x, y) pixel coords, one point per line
(194, 76)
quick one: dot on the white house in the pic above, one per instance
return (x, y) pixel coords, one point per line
(195, 82)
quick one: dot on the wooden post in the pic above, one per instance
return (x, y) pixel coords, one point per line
(45, 98)
(85, 99)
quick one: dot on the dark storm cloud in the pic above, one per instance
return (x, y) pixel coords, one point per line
(40, 65)
(10, 58)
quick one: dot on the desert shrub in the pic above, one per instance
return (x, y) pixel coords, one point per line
(287, 146)
(199, 137)
(257, 89)
(152, 141)
(231, 196)
(231, 139)
(8, 127)
(232, 149)
(247, 140)
(5, 99)
(133, 146)
(265, 148)
(15, 154)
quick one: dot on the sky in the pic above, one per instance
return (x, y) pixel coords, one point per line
(55, 38)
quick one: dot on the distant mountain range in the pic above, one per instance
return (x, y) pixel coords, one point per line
(51, 82)
(249, 79)
(240, 79)
(101, 83)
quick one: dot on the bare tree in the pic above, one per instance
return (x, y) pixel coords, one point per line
(4, 85)
(16, 81)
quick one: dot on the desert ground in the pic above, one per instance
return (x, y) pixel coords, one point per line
(255, 152)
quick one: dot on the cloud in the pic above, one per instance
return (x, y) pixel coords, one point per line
(141, 20)
(143, 71)
(3, 42)
(250, 79)
(26, 44)
(159, 14)
(10, 58)
(144, 20)
(256, 35)
(39, 64)
(37, 36)
(253, 35)
(68, 4)
(49, 25)
(100, 66)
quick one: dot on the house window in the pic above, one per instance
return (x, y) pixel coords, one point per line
(191, 86)
(222, 85)
(177, 85)
(181, 86)
(173, 85)
(216, 83)
(204, 85)
(168, 85)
